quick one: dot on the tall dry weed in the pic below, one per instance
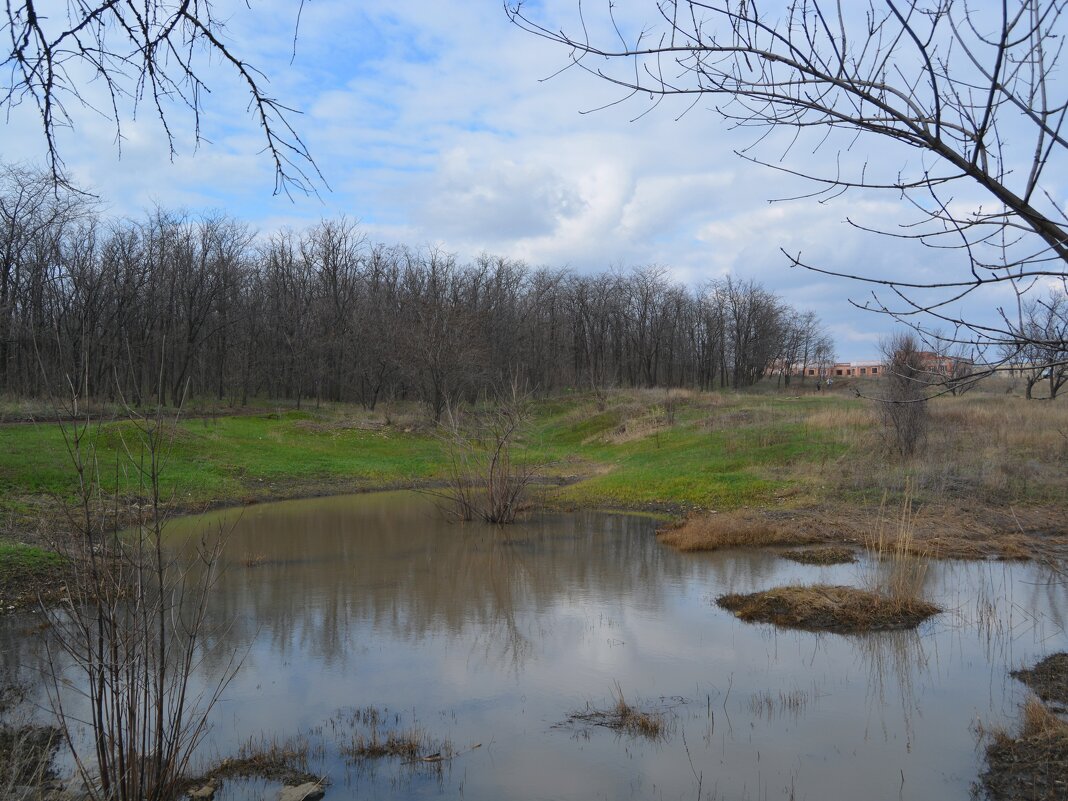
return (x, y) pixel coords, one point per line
(900, 563)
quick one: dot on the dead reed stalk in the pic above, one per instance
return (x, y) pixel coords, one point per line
(899, 563)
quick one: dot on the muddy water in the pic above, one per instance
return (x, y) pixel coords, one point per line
(486, 636)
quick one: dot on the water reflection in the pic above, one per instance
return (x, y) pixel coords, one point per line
(482, 635)
(398, 567)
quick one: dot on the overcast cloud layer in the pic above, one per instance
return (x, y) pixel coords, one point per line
(432, 126)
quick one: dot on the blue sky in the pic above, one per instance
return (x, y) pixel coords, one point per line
(433, 126)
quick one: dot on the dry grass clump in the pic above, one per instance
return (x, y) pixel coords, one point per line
(744, 528)
(1032, 766)
(623, 717)
(900, 562)
(379, 735)
(822, 607)
(1039, 721)
(26, 748)
(26, 754)
(638, 427)
(821, 556)
(846, 424)
(405, 744)
(284, 761)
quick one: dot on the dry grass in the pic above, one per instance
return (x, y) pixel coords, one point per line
(947, 530)
(26, 753)
(1039, 721)
(404, 744)
(899, 562)
(981, 450)
(744, 528)
(847, 420)
(822, 607)
(623, 717)
(284, 761)
(377, 734)
(1032, 766)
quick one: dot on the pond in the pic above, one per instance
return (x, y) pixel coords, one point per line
(493, 637)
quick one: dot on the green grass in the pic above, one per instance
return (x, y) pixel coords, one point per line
(23, 567)
(220, 460)
(241, 458)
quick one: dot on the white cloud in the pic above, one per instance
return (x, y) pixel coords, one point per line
(431, 125)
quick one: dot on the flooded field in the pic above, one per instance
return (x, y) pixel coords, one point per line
(359, 617)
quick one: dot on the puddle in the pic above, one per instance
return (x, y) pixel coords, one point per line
(477, 636)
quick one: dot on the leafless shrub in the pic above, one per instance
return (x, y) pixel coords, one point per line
(904, 403)
(128, 639)
(486, 481)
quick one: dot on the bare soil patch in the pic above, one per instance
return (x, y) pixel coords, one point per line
(1049, 680)
(821, 556)
(821, 607)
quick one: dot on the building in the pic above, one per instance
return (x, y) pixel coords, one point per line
(867, 369)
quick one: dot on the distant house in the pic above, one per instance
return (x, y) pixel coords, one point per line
(937, 364)
(847, 369)
(930, 362)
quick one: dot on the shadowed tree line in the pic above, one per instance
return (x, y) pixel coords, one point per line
(174, 304)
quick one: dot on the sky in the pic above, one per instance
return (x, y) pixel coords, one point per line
(438, 124)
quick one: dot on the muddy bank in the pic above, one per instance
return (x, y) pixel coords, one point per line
(1049, 680)
(1032, 765)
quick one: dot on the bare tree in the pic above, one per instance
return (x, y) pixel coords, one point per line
(972, 88)
(114, 57)
(198, 306)
(1042, 350)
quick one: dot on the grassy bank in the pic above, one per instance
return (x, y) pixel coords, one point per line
(817, 457)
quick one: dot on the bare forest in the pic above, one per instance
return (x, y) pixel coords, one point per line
(175, 305)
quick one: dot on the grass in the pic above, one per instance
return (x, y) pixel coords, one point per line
(370, 733)
(899, 561)
(776, 469)
(1032, 765)
(737, 529)
(284, 761)
(25, 570)
(822, 607)
(623, 717)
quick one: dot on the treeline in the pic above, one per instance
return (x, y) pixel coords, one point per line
(176, 305)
